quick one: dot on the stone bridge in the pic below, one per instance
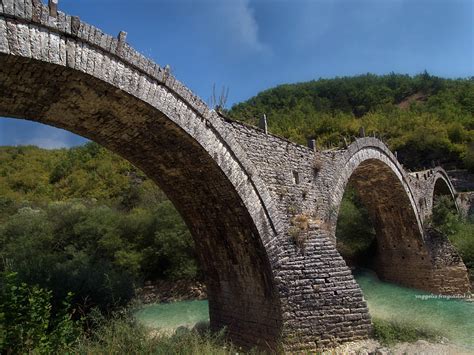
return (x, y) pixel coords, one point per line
(262, 210)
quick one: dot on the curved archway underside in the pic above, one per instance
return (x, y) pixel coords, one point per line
(407, 252)
(262, 210)
(231, 253)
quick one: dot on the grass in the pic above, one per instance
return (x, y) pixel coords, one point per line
(123, 335)
(392, 332)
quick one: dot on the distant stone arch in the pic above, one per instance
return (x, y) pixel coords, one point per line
(442, 186)
(427, 185)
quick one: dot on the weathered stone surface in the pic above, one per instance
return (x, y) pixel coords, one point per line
(8, 7)
(4, 48)
(262, 210)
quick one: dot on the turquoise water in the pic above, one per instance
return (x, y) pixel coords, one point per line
(172, 315)
(452, 318)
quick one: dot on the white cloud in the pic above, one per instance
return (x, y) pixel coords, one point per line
(47, 143)
(49, 138)
(238, 21)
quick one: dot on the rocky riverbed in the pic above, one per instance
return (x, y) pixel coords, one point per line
(171, 291)
(420, 347)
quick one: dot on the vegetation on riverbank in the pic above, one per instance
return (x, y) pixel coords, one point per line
(29, 323)
(459, 230)
(390, 332)
(355, 234)
(82, 220)
(122, 334)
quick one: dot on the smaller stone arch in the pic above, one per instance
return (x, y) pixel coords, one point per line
(373, 171)
(427, 185)
(442, 186)
(406, 253)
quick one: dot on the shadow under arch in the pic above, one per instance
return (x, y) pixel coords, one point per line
(407, 252)
(400, 253)
(176, 148)
(443, 187)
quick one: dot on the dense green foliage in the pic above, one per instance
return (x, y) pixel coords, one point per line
(459, 230)
(444, 216)
(85, 221)
(463, 240)
(31, 175)
(355, 234)
(469, 159)
(423, 118)
(28, 324)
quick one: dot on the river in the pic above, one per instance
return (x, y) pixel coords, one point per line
(453, 318)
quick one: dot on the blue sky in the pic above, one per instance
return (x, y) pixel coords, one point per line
(251, 45)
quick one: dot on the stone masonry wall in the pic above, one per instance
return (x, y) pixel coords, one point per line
(262, 210)
(427, 184)
(318, 293)
(385, 189)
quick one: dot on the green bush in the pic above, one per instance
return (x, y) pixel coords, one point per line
(27, 322)
(469, 158)
(98, 252)
(123, 335)
(355, 233)
(391, 332)
(463, 240)
(444, 215)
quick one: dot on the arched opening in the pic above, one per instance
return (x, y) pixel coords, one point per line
(441, 187)
(389, 241)
(85, 221)
(443, 192)
(186, 161)
(355, 234)
(443, 213)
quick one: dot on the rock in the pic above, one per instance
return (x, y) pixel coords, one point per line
(201, 327)
(182, 330)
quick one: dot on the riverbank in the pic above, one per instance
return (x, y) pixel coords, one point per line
(403, 316)
(373, 347)
(164, 291)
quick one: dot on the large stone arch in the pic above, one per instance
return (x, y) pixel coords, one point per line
(65, 73)
(406, 253)
(242, 192)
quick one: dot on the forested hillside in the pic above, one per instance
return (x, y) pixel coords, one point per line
(424, 118)
(85, 220)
